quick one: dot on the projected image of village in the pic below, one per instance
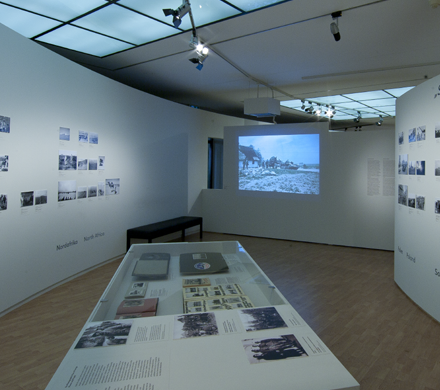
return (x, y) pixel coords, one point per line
(279, 163)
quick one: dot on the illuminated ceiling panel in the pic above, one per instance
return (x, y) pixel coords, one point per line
(112, 26)
(371, 104)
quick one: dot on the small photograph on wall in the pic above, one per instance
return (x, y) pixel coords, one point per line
(412, 168)
(101, 188)
(27, 199)
(421, 133)
(112, 186)
(437, 130)
(403, 164)
(412, 135)
(82, 192)
(82, 164)
(437, 167)
(67, 160)
(4, 163)
(420, 168)
(5, 124)
(93, 138)
(93, 190)
(101, 162)
(66, 190)
(437, 205)
(3, 202)
(64, 134)
(40, 197)
(268, 349)
(83, 136)
(402, 194)
(401, 138)
(93, 164)
(420, 202)
(412, 201)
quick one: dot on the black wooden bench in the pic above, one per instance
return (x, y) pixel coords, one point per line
(158, 229)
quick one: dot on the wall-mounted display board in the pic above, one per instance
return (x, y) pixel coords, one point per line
(240, 332)
(417, 205)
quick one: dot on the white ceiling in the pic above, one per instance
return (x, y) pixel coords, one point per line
(286, 51)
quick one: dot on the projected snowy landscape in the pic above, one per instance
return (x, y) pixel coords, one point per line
(279, 163)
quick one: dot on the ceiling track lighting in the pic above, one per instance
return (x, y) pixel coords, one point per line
(334, 26)
(202, 52)
(358, 118)
(380, 121)
(178, 13)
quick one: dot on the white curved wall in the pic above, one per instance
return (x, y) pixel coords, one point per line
(417, 246)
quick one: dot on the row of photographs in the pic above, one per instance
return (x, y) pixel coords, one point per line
(415, 201)
(417, 134)
(406, 167)
(83, 136)
(66, 163)
(67, 190)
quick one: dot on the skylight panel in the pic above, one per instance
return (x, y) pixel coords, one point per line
(61, 9)
(84, 41)
(204, 11)
(129, 26)
(337, 99)
(380, 102)
(25, 23)
(361, 96)
(248, 5)
(397, 92)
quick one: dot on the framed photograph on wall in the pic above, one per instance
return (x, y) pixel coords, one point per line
(5, 124)
(4, 163)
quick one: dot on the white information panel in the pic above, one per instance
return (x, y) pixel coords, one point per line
(259, 344)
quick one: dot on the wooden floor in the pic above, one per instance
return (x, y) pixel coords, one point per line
(347, 295)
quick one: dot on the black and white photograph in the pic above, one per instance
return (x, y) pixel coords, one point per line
(420, 168)
(93, 164)
(3, 202)
(112, 186)
(4, 163)
(402, 195)
(101, 162)
(412, 135)
(5, 124)
(27, 198)
(421, 133)
(93, 190)
(82, 164)
(67, 160)
(437, 205)
(81, 192)
(261, 318)
(279, 163)
(412, 201)
(401, 138)
(40, 197)
(64, 134)
(403, 164)
(101, 188)
(437, 167)
(105, 334)
(83, 136)
(66, 190)
(412, 168)
(420, 202)
(437, 130)
(195, 325)
(93, 138)
(283, 347)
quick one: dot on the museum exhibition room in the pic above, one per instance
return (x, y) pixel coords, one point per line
(229, 194)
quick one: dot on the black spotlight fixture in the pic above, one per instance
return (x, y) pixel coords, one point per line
(358, 118)
(380, 121)
(178, 13)
(334, 28)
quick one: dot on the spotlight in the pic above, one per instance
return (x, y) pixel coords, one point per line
(201, 51)
(303, 107)
(330, 112)
(318, 110)
(380, 121)
(178, 13)
(334, 28)
(358, 118)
